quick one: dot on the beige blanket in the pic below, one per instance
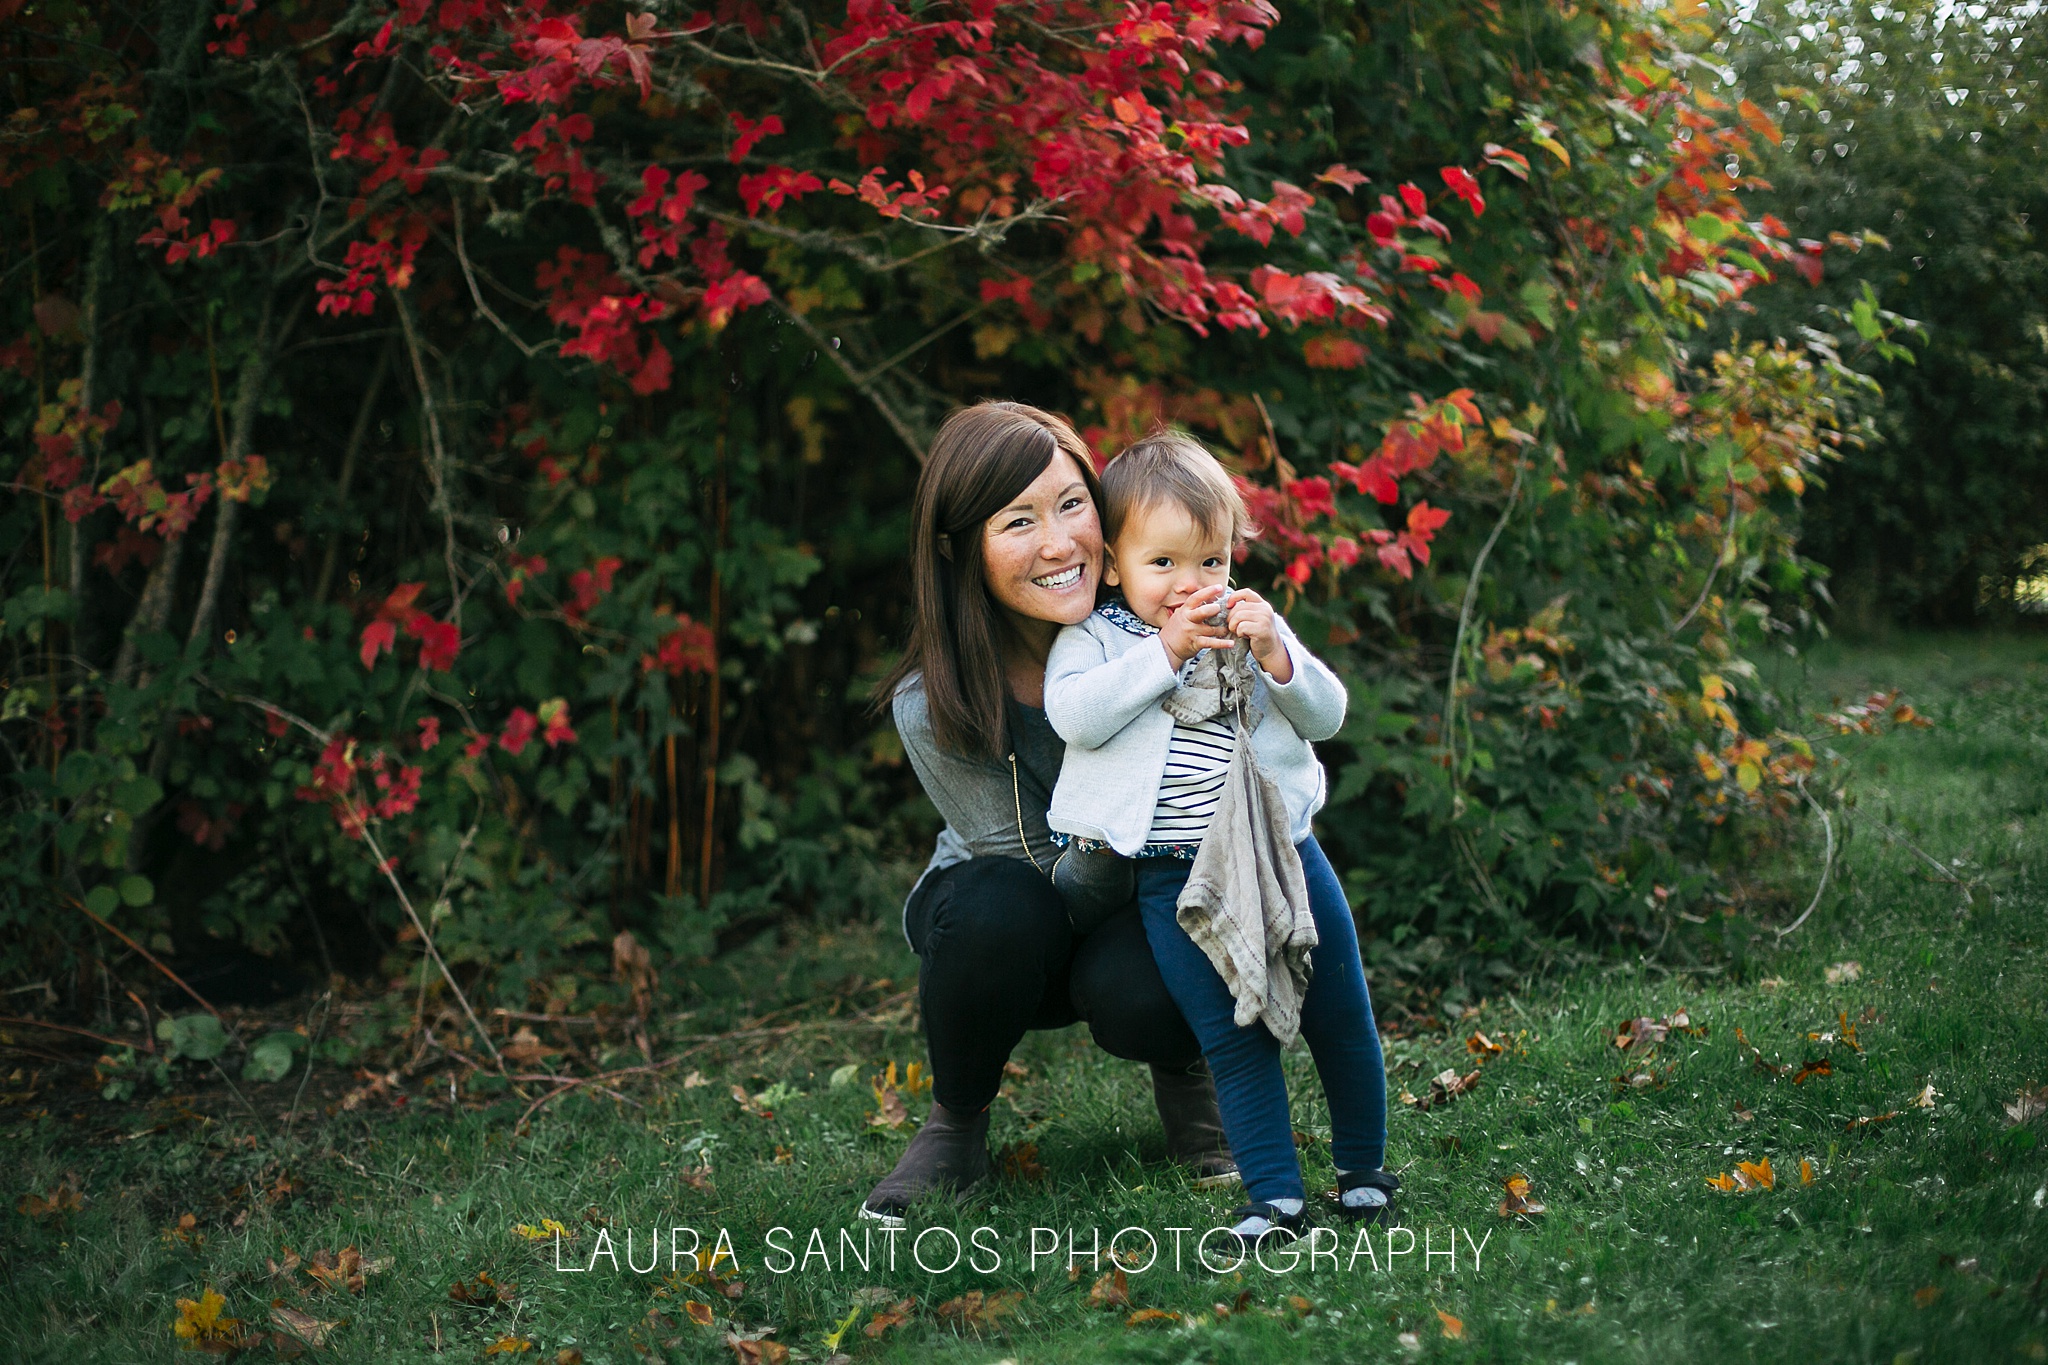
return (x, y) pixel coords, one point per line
(1246, 900)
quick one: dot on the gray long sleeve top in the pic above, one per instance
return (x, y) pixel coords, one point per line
(975, 794)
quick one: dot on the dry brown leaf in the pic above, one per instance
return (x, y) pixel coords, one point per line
(1444, 1087)
(1926, 1295)
(1454, 1329)
(1868, 1119)
(484, 1293)
(751, 1104)
(1926, 1098)
(282, 1270)
(698, 1312)
(1821, 1068)
(1145, 1315)
(632, 969)
(698, 1178)
(895, 1315)
(62, 1200)
(979, 1312)
(890, 1112)
(1481, 1046)
(1019, 1161)
(511, 1344)
(1843, 972)
(307, 1328)
(1518, 1200)
(693, 1080)
(755, 1350)
(2027, 1106)
(526, 1048)
(1641, 1032)
(1111, 1291)
(340, 1271)
(1743, 1115)
(1016, 1071)
(568, 1355)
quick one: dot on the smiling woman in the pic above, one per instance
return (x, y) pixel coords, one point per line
(1006, 548)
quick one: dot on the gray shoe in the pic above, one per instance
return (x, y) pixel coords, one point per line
(1194, 1129)
(948, 1155)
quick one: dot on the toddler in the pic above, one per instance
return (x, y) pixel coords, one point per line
(1143, 782)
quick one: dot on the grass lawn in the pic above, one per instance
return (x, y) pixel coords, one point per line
(1900, 1223)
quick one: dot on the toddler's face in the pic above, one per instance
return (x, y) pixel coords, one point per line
(1162, 557)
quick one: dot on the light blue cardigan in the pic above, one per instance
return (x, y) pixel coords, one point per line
(1104, 683)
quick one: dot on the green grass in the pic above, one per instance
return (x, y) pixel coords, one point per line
(1921, 1238)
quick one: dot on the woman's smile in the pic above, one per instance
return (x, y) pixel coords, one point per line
(1062, 579)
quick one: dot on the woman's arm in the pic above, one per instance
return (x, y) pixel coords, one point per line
(1089, 697)
(980, 800)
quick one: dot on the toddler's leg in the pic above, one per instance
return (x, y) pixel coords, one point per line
(1250, 1091)
(1337, 1022)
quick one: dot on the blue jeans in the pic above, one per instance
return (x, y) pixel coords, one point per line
(1336, 1021)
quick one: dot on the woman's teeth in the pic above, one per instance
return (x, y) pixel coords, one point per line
(1065, 578)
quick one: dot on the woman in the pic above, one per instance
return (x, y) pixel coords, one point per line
(1005, 550)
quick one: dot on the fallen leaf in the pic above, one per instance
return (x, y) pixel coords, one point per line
(1444, 1087)
(1869, 1119)
(484, 1293)
(755, 1350)
(1743, 1115)
(890, 1112)
(1016, 1071)
(2027, 1106)
(894, 1316)
(1481, 1046)
(341, 1271)
(783, 1156)
(548, 1230)
(1518, 1200)
(1111, 1291)
(751, 1104)
(526, 1048)
(698, 1178)
(1748, 1175)
(693, 1080)
(1641, 1031)
(1926, 1098)
(200, 1323)
(1145, 1315)
(1772, 983)
(1453, 1328)
(282, 1270)
(307, 1328)
(1843, 972)
(1805, 1171)
(979, 1312)
(511, 1344)
(1925, 1295)
(1409, 1341)
(1300, 1304)
(1019, 1161)
(568, 1355)
(64, 1199)
(1811, 1069)
(698, 1312)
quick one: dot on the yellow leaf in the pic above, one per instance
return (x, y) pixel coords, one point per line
(1723, 1181)
(1758, 1171)
(1805, 1171)
(1554, 147)
(200, 1321)
(1453, 1328)
(508, 1345)
(1748, 776)
(1709, 767)
(1712, 687)
(548, 1230)
(832, 1338)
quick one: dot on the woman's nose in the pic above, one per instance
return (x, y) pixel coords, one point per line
(1058, 542)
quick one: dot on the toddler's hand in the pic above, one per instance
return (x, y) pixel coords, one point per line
(1253, 619)
(1189, 630)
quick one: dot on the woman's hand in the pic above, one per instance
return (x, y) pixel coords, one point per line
(1192, 627)
(1253, 620)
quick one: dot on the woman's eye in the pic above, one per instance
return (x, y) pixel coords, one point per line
(1072, 503)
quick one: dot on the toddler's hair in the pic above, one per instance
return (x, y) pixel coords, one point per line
(1172, 466)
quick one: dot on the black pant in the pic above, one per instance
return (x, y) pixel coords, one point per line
(998, 957)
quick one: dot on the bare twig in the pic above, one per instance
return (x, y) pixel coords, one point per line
(1714, 569)
(1465, 620)
(437, 466)
(13, 1020)
(427, 938)
(1827, 861)
(469, 274)
(864, 384)
(148, 956)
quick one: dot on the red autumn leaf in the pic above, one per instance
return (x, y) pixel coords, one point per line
(378, 636)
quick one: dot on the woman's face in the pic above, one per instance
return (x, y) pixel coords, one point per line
(1042, 554)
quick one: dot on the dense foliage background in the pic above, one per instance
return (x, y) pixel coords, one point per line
(1925, 123)
(459, 452)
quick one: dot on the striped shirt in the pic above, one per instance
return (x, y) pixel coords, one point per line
(1197, 757)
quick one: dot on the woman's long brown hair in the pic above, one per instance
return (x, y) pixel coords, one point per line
(982, 458)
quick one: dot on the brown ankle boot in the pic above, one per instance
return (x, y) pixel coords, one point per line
(949, 1154)
(1194, 1130)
